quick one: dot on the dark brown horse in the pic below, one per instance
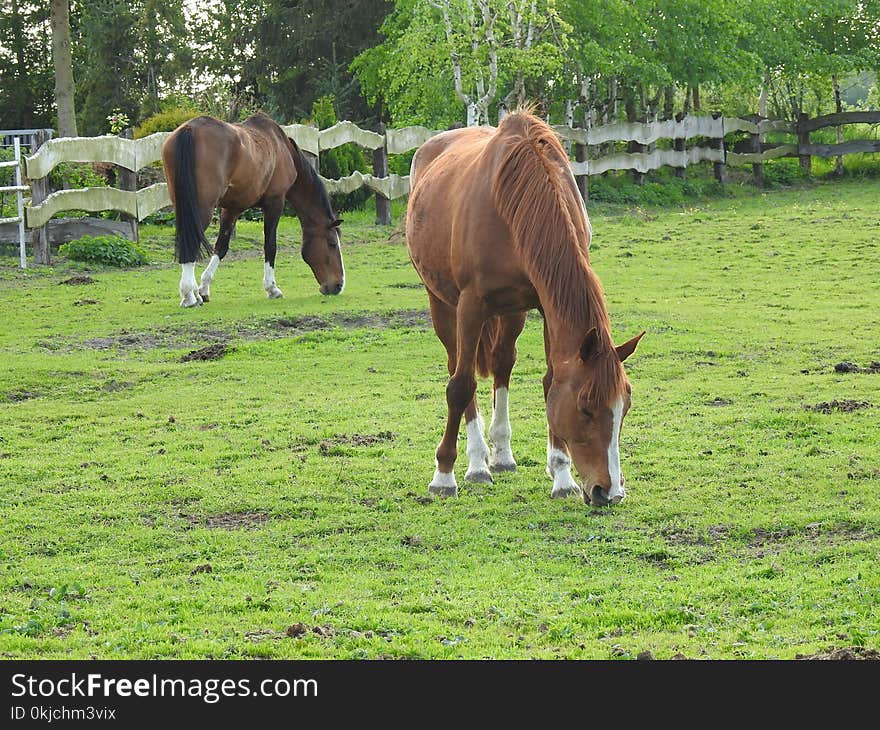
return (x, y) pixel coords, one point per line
(210, 163)
(495, 227)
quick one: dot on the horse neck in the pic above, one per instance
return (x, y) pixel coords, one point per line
(568, 326)
(305, 196)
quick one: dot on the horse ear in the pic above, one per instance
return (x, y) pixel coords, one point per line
(629, 347)
(590, 345)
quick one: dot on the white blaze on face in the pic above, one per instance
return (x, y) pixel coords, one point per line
(341, 263)
(616, 493)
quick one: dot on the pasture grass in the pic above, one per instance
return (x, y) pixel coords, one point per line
(160, 508)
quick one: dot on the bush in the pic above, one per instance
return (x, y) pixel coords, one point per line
(164, 121)
(110, 250)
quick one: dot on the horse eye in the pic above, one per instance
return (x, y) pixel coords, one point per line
(333, 241)
(587, 413)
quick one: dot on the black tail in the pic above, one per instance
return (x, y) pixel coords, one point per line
(190, 236)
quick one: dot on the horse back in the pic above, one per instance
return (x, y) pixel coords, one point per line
(455, 236)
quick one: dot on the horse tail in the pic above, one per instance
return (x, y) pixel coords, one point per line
(190, 238)
(488, 338)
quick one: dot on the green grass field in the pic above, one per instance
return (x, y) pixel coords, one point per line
(273, 502)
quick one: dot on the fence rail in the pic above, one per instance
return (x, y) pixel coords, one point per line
(695, 139)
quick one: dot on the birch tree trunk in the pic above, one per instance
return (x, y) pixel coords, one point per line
(838, 106)
(64, 89)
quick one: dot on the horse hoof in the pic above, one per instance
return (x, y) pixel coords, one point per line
(205, 297)
(441, 490)
(502, 467)
(479, 477)
(190, 301)
(275, 293)
(564, 492)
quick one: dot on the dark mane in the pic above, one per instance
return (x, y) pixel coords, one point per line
(544, 212)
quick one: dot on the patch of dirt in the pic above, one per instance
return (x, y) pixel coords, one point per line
(353, 320)
(84, 302)
(408, 285)
(211, 352)
(846, 653)
(844, 406)
(719, 402)
(851, 367)
(299, 629)
(761, 537)
(78, 280)
(16, 396)
(356, 439)
(689, 536)
(184, 336)
(205, 568)
(228, 520)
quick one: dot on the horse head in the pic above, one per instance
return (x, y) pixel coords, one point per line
(320, 250)
(586, 404)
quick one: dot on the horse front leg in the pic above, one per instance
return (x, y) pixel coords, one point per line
(271, 215)
(459, 394)
(558, 459)
(227, 226)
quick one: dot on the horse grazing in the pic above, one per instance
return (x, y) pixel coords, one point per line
(495, 227)
(210, 163)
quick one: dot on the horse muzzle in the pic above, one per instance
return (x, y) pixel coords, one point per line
(598, 496)
(332, 289)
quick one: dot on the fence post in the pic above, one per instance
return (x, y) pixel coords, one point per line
(583, 181)
(380, 170)
(127, 180)
(40, 189)
(679, 145)
(718, 144)
(757, 167)
(803, 141)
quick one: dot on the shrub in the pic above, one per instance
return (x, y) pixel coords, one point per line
(110, 250)
(164, 121)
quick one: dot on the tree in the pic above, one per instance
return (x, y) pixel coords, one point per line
(64, 88)
(439, 52)
(26, 74)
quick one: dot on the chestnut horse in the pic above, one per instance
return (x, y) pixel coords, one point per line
(209, 162)
(495, 227)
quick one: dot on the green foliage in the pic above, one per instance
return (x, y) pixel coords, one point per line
(166, 120)
(110, 250)
(73, 175)
(342, 160)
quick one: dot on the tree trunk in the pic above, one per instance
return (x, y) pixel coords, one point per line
(838, 107)
(696, 96)
(64, 89)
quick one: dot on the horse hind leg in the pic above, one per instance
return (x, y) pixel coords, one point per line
(503, 360)
(189, 288)
(227, 226)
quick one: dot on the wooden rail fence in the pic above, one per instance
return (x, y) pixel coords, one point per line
(712, 134)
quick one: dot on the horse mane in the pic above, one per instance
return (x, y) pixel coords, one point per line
(314, 179)
(544, 212)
